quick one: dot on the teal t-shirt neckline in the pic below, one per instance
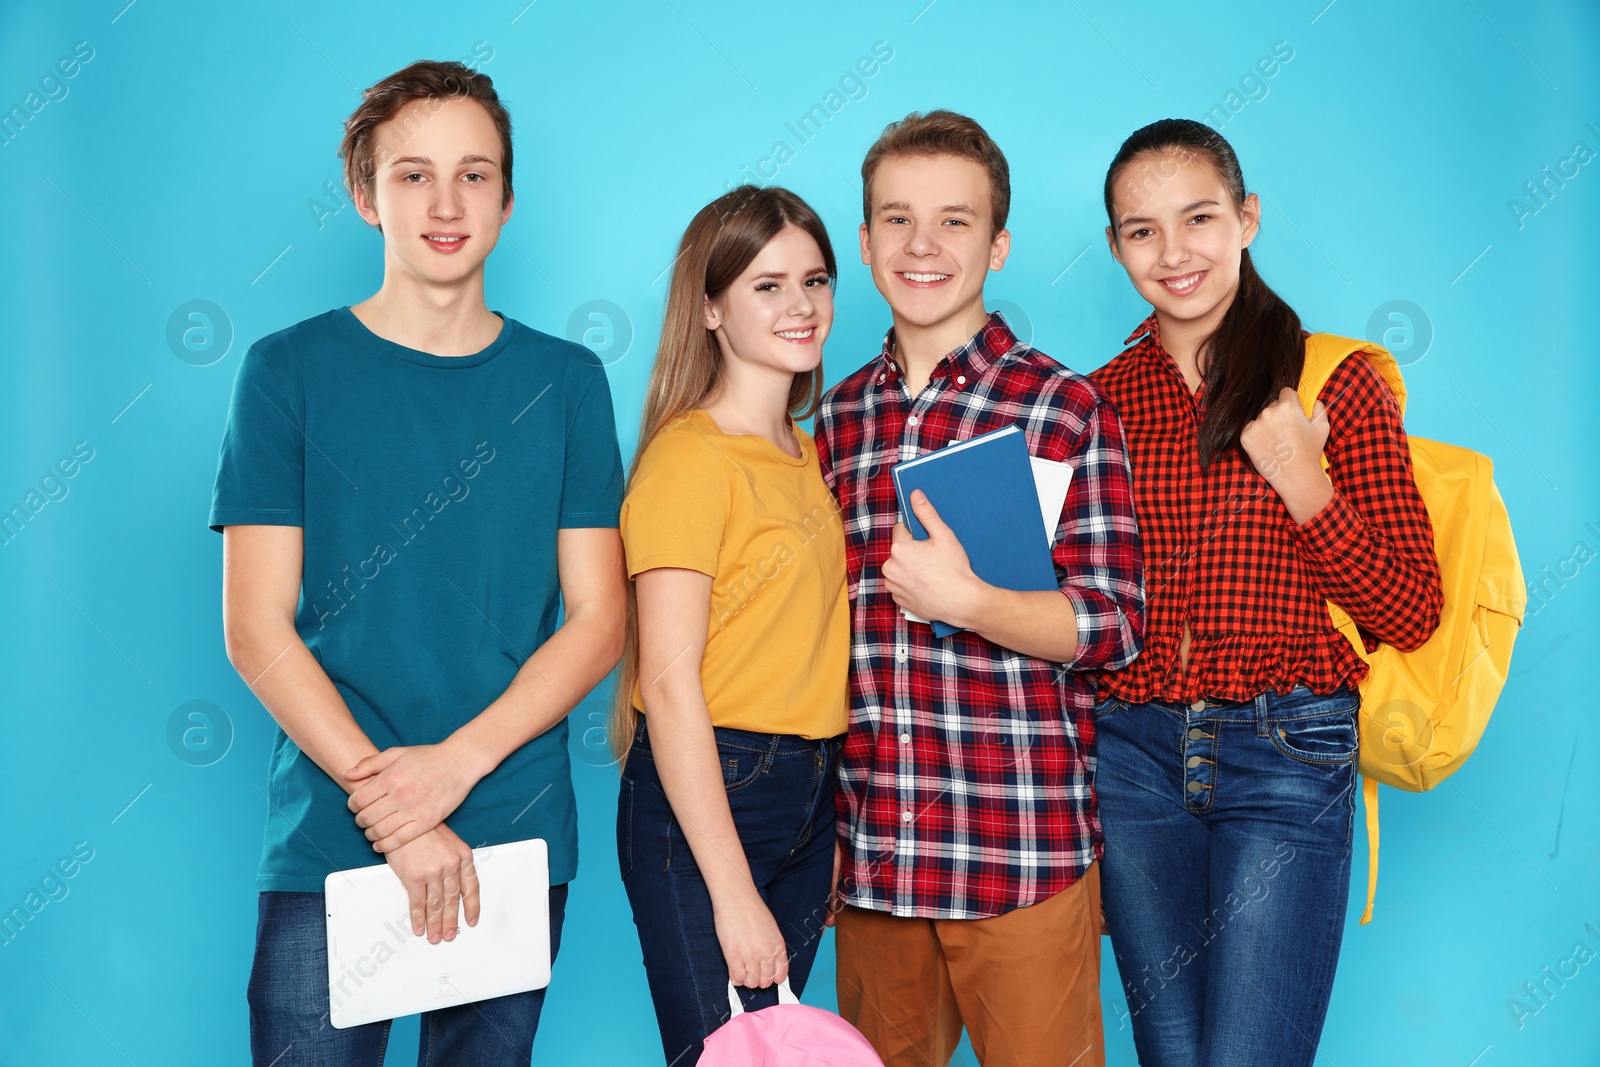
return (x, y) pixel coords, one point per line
(362, 335)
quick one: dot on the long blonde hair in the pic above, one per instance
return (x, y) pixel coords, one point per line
(722, 240)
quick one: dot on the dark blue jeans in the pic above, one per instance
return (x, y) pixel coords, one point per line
(1227, 871)
(289, 1006)
(780, 791)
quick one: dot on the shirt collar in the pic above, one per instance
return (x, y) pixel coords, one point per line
(1150, 326)
(1150, 348)
(984, 349)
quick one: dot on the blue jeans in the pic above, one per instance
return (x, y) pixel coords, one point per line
(780, 791)
(1227, 871)
(289, 1005)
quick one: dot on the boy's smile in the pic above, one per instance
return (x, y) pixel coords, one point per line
(931, 242)
(446, 243)
(438, 190)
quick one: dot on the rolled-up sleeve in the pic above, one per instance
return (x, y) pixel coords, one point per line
(1370, 550)
(1098, 557)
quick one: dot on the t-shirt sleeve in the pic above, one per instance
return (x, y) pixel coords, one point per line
(591, 492)
(261, 466)
(678, 507)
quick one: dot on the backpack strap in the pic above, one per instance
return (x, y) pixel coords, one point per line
(1369, 795)
(1324, 353)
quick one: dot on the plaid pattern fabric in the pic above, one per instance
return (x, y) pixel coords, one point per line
(965, 785)
(1223, 553)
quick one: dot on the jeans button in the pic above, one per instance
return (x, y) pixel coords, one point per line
(1196, 734)
(1194, 787)
(1194, 761)
(1198, 706)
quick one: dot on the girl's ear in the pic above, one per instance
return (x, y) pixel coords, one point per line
(710, 314)
(1251, 212)
(1111, 243)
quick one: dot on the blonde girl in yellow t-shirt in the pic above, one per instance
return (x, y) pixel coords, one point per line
(732, 706)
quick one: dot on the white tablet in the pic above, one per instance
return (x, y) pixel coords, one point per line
(378, 969)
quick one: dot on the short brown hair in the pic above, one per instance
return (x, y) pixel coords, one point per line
(424, 80)
(941, 133)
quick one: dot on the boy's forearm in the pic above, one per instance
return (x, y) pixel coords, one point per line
(1039, 623)
(278, 667)
(546, 688)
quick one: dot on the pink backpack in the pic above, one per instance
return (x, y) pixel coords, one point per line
(788, 1035)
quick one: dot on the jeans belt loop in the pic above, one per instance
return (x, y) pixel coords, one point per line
(1261, 714)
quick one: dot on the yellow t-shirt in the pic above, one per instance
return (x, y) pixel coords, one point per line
(763, 525)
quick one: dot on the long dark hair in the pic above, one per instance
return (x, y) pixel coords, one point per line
(1256, 349)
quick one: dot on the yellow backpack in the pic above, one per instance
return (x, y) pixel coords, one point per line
(1423, 712)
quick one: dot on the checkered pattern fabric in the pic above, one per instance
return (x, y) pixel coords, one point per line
(966, 778)
(1223, 555)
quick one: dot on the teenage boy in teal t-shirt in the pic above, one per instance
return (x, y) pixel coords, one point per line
(409, 490)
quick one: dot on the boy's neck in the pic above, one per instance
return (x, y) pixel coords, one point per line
(918, 349)
(439, 320)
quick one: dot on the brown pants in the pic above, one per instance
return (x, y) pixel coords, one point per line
(1025, 984)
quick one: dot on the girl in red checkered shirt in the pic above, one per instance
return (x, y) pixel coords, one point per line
(1227, 752)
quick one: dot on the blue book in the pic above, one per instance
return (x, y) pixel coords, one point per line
(984, 490)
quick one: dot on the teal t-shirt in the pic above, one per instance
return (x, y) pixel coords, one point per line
(430, 489)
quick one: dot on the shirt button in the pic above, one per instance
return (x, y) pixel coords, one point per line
(900, 653)
(905, 816)
(880, 379)
(1196, 734)
(905, 739)
(912, 421)
(961, 379)
(1198, 705)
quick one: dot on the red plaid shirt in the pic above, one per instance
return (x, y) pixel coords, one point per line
(965, 784)
(1224, 554)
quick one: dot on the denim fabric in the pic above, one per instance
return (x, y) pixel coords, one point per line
(1227, 871)
(289, 1001)
(780, 791)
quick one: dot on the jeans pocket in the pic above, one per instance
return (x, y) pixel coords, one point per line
(625, 827)
(740, 766)
(1326, 739)
(1108, 706)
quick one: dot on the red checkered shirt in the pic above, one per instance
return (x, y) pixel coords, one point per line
(1224, 554)
(966, 780)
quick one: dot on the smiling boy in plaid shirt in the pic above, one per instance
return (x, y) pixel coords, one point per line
(966, 805)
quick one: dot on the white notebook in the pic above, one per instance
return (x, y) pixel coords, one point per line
(378, 969)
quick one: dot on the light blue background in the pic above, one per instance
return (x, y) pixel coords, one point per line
(184, 163)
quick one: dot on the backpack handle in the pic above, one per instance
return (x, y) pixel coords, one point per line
(785, 996)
